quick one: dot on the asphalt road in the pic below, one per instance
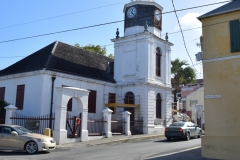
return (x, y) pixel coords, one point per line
(152, 149)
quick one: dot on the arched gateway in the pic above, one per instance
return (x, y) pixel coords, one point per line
(63, 95)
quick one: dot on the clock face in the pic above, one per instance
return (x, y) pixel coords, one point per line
(158, 15)
(132, 11)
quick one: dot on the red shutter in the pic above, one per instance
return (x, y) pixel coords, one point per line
(92, 98)
(20, 96)
(69, 105)
(2, 93)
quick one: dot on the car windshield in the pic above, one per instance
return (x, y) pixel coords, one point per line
(22, 130)
(177, 124)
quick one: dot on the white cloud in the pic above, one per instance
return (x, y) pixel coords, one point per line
(189, 21)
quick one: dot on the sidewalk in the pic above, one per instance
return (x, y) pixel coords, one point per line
(114, 139)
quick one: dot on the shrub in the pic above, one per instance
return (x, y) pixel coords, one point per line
(2, 105)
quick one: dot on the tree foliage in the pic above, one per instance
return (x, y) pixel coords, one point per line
(2, 105)
(111, 56)
(93, 48)
(182, 74)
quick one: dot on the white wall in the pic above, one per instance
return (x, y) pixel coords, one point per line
(102, 88)
(196, 95)
(135, 59)
(38, 87)
(32, 94)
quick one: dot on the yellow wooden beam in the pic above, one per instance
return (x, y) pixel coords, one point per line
(121, 105)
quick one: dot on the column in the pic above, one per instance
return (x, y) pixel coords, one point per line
(84, 130)
(126, 117)
(60, 132)
(9, 113)
(107, 114)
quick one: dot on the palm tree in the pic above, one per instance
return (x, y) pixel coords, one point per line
(182, 74)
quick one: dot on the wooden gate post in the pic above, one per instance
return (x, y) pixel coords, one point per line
(107, 114)
(126, 117)
(9, 113)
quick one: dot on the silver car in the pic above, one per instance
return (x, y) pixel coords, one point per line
(184, 130)
(13, 137)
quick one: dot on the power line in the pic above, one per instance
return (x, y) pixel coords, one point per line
(44, 19)
(183, 35)
(147, 38)
(46, 34)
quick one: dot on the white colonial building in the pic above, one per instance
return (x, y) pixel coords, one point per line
(137, 80)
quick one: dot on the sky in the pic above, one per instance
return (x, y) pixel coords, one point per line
(26, 18)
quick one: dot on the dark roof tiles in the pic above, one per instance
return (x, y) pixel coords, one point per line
(65, 58)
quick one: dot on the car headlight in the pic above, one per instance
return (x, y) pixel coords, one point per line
(41, 140)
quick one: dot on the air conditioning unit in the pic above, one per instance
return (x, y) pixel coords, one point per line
(199, 56)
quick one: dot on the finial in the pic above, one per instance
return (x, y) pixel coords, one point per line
(166, 37)
(146, 27)
(117, 33)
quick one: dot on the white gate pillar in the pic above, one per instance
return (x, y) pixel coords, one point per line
(107, 114)
(126, 117)
(9, 113)
(63, 95)
(60, 132)
(84, 118)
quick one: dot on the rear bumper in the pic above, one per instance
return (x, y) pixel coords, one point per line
(175, 134)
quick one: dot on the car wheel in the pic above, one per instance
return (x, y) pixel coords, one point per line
(188, 136)
(169, 138)
(200, 134)
(31, 147)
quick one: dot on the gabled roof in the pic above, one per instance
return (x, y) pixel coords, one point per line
(61, 57)
(230, 7)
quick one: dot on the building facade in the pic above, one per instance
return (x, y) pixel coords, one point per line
(221, 63)
(137, 80)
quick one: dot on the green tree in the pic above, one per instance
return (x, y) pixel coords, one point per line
(111, 56)
(93, 48)
(182, 74)
(2, 105)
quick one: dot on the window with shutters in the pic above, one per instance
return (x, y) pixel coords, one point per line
(158, 62)
(129, 98)
(111, 98)
(2, 93)
(193, 102)
(158, 106)
(92, 99)
(20, 96)
(235, 35)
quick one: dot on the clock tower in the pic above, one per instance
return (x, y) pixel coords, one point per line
(138, 12)
(142, 67)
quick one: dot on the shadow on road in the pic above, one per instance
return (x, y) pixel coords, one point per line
(19, 153)
(173, 140)
(194, 154)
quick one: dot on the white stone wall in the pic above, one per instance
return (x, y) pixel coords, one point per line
(33, 91)
(135, 58)
(38, 86)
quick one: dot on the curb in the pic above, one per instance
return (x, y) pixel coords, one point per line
(131, 139)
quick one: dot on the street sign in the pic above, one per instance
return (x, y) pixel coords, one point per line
(213, 96)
